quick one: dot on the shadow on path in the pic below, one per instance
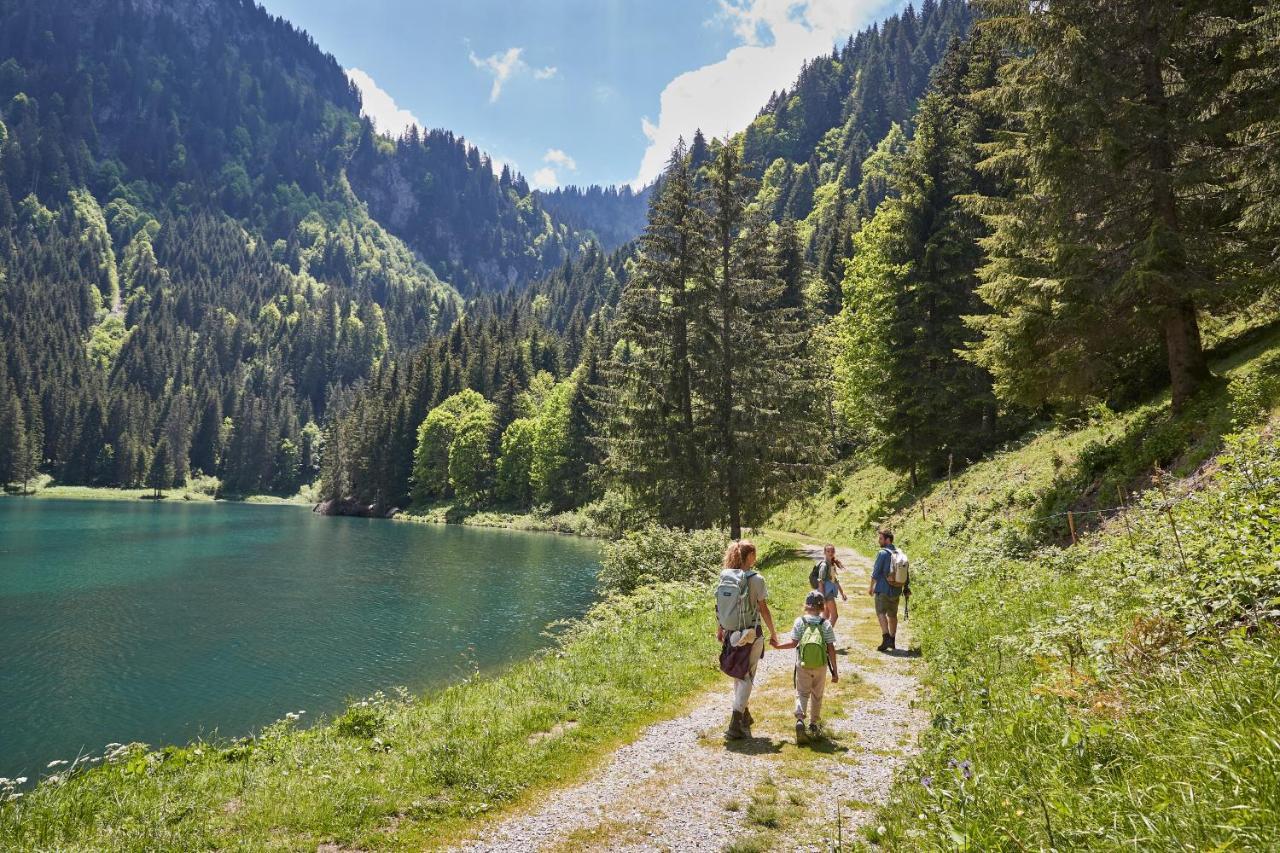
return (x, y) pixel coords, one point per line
(753, 746)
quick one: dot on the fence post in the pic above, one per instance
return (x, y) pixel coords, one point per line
(1168, 511)
(1071, 523)
(1124, 513)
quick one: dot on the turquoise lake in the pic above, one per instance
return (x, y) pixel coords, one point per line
(161, 622)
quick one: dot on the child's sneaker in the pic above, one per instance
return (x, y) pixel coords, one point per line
(801, 737)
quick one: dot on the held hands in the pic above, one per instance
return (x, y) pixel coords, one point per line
(773, 640)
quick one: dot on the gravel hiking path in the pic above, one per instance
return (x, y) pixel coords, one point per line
(680, 786)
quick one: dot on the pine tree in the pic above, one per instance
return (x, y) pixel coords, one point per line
(1254, 101)
(911, 284)
(13, 439)
(652, 445)
(762, 428)
(789, 261)
(160, 474)
(1118, 233)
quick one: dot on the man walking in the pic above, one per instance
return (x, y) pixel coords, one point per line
(886, 594)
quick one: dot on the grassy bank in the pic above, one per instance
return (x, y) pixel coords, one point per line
(572, 522)
(199, 490)
(1120, 692)
(403, 772)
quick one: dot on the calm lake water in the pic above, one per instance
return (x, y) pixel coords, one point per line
(124, 621)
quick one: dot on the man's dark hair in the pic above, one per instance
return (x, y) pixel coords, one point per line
(887, 534)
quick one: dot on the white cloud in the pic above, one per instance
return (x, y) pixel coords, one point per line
(544, 179)
(548, 178)
(505, 65)
(776, 37)
(556, 157)
(379, 106)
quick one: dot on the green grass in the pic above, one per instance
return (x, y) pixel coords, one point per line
(403, 772)
(1119, 693)
(1109, 695)
(200, 490)
(571, 522)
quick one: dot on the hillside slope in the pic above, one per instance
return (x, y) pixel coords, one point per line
(1116, 692)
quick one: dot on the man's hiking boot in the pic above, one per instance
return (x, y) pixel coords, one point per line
(801, 736)
(893, 642)
(885, 642)
(747, 719)
(736, 730)
(814, 731)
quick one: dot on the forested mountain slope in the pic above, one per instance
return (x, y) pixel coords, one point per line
(814, 163)
(201, 241)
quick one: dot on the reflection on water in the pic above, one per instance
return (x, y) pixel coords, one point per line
(126, 621)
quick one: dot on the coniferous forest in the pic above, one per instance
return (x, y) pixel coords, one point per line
(873, 255)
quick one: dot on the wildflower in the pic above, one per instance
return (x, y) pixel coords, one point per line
(58, 762)
(927, 781)
(21, 780)
(966, 769)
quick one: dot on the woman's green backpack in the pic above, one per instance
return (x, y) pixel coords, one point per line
(813, 648)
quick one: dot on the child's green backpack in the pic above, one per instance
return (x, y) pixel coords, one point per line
(813, 648)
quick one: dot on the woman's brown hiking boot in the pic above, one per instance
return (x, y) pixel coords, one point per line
(736, 730)
(747, 719)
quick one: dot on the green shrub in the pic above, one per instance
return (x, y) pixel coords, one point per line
(659, 554)
(362, 720)
(1254, 392)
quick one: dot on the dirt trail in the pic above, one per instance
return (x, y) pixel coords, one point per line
(681, 786)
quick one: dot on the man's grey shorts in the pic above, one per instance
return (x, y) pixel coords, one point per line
(887, 605)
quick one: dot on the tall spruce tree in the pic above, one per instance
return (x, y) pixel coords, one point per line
(1254, 101)
(653, 452)
(911, 284)
(762, 428)
(13, 438)
(1117, 235)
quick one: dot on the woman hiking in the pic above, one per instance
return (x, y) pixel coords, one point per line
(741, 606)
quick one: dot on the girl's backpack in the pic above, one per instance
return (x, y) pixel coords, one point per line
(812, 648)
(815, 573)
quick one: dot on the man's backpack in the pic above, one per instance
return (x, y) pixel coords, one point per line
(899, 568)
(812, 648)
(735, 608)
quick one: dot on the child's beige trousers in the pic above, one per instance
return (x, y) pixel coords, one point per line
(810, 683)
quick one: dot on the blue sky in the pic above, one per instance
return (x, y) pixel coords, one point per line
(575, 91)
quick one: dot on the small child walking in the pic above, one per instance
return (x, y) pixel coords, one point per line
(814, 640)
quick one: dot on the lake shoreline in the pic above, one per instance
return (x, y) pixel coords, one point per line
(426, 767)
(180, 495)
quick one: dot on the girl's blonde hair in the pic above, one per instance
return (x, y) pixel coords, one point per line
(735, 556)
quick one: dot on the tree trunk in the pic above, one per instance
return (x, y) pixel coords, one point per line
(1188, 368)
